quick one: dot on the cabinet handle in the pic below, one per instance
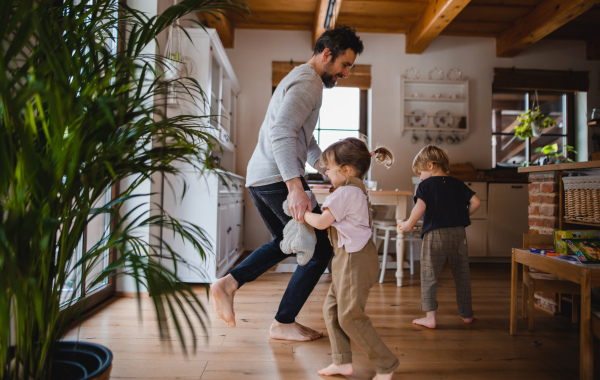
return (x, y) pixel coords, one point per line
(239, 225)
(229, 230)
(516, 187)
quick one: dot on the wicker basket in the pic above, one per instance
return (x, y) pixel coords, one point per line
(582, 198)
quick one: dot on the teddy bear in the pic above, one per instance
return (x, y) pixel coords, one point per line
(298, 237)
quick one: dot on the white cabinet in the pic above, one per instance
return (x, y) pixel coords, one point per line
(507, 217)
(501, 220)
(428, 105)
(477, 231)
(218, 209)
(205, 60)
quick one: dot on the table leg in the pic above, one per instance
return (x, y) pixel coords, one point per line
(400, 217)
(586, 347)
(513, 294)
(399, 257)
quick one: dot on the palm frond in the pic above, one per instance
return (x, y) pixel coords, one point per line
(76, 118)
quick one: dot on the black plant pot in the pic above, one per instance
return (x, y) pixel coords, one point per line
(78, 361)
(81, 361)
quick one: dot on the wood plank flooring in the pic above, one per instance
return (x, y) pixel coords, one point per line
(454, 350)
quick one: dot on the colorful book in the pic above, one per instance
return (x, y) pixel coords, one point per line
(586, 250)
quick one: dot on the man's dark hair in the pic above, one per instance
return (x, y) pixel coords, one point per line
(338, 40)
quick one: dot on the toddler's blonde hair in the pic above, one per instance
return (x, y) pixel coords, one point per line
(433, 154)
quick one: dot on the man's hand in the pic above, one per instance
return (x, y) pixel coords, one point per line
(298, 200)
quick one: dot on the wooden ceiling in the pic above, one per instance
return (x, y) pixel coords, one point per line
(516, 24)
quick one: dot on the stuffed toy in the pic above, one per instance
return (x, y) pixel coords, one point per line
(299, 238)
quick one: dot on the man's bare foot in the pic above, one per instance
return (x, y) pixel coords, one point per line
(334, 369)
(428, 320)
(468, 320)
(293, 331)
(383, 376)
(222, 292)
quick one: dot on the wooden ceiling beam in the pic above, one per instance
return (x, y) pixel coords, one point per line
(548, 16)
(223, 26)
(321, 15)
(433, 21)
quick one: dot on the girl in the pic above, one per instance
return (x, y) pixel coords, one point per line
(355, 265)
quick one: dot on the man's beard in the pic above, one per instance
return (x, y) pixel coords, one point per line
(328, 80)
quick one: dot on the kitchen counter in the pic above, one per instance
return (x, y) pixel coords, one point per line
(503, 175)
(561, 167)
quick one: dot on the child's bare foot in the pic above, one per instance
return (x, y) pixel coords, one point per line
(334, 369)
(222, 292)
(383, 376)
(468, 320)
(293, 331)
(428, 320)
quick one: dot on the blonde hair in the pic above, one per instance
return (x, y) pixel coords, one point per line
(355, 153)
(433, 154)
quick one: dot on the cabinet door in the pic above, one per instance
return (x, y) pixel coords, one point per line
(232, 231)
(477, 238)
(222, 248)
(237, 213)
(507, 217)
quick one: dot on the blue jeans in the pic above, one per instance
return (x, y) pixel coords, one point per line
(269, 200)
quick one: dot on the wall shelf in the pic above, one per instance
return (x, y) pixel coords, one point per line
(434, 105)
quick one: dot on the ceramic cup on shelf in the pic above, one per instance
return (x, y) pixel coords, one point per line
(371, 185)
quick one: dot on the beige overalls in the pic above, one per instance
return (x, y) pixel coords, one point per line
(353, 274)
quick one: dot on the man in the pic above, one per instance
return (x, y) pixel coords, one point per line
(276, 173)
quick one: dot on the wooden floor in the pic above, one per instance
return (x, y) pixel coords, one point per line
(454, 350)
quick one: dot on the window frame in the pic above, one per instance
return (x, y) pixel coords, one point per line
(569, 120)
(512, 80)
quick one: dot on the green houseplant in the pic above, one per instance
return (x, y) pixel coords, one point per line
(77, 118)
(531, 123)
(551, 154)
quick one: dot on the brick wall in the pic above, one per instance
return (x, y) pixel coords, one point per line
(543, 203)
(543, 220)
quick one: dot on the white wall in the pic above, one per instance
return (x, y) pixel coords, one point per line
(476, 57)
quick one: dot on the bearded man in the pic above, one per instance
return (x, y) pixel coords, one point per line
(276, 173)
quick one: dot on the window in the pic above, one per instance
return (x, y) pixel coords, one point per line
(344, 107)
(507, 150)
(517, 90)
(80, 279)
(334, 124)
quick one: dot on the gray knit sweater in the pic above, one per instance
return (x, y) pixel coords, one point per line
(285, 140)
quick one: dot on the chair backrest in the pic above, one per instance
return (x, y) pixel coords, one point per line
(538, 241)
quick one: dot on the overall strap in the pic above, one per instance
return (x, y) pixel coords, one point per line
(357, 182)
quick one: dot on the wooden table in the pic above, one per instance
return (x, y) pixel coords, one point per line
(587, 275)
(398, 199)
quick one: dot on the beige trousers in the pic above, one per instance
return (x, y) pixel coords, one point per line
(353, 274)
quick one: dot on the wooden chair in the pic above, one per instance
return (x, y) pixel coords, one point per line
(389, 229)
(535, 281)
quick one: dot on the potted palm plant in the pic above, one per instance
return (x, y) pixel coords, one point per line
(78, 117)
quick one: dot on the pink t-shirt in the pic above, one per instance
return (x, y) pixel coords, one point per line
(350, 208)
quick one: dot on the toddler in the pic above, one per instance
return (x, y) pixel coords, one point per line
(445, 204)
(355, 264)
